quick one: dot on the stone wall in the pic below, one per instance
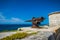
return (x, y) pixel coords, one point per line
(54, 19)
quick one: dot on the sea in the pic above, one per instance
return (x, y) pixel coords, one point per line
(8, 27)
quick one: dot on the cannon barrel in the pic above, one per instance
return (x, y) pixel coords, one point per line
(36, 19)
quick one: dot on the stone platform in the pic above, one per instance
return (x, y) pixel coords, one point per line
(45, 33)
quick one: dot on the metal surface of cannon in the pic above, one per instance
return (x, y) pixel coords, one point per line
(36, 21)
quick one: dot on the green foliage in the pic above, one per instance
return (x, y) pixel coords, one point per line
(5, 31)
(18, 36)
(15, 36)
(8, 31)
(33, 33)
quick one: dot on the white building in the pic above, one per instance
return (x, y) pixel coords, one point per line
(54, 19)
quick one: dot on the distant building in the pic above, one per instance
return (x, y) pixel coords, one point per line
(54, 19)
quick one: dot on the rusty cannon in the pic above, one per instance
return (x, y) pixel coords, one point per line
(36, 21)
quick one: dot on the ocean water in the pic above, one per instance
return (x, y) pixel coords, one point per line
(8, 27)
(12, 26)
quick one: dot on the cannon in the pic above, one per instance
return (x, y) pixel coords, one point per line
(36, 21)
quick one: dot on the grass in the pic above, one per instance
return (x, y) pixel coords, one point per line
(18, 36)
(8, 31)
(15, 36)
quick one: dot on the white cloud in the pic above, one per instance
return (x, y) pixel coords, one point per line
(12, 20)
(16, 20)
(2, 17)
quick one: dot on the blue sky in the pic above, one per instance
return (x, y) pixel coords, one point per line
(17, 11)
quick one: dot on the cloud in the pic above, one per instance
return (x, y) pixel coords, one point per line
(16, 20)
(2, 17)
(12, 20)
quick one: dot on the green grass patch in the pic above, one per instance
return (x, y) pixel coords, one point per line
(18, 36)
(15, 36)
(8, 31)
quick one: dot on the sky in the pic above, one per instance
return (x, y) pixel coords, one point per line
(17, 11)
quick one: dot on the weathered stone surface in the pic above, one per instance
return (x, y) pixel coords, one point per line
(54, 19)
(40, 36)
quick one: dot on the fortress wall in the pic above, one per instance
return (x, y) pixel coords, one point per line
(54, 19)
